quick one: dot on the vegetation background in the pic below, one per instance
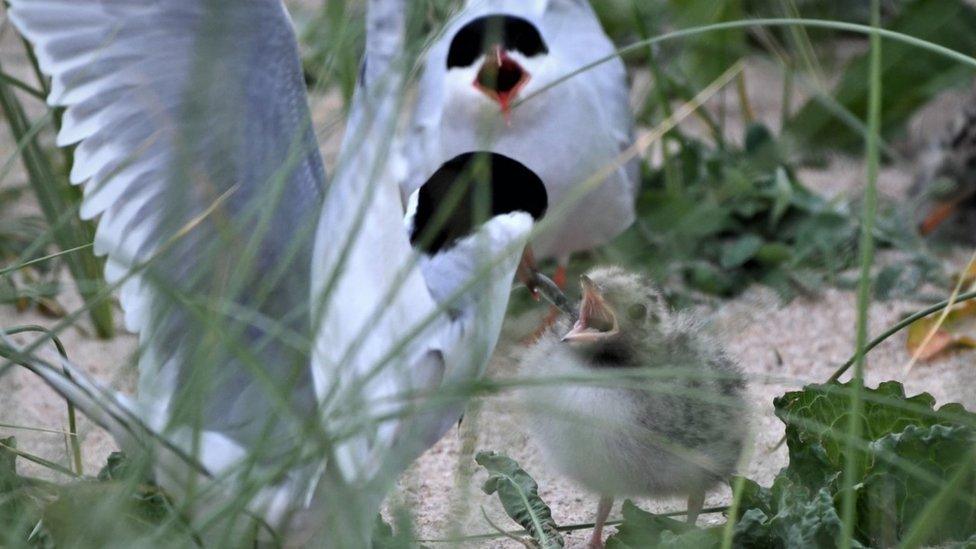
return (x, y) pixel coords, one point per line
(784, 297)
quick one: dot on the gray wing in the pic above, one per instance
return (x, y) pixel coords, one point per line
(195, 148)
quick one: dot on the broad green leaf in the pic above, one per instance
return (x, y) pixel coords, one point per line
(815, 414)
(519, 495)
(642, 529)
(784, 197)
(737, 252)
(901, 279)
(798, 518)
(889, 500)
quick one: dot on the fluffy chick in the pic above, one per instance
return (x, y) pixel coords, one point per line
(667, 418)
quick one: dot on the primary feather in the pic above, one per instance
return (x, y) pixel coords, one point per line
(190, 120)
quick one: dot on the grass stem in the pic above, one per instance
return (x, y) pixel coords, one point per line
(54, 198)
(853, 465)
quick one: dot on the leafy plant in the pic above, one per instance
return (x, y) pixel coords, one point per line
(117, 509)
(519, 495)
(742, 216)
(917, 479)
(21, 501)
(643, 529)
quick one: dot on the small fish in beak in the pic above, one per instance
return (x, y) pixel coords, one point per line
(501, 78)
(527, 272)
(596, 319)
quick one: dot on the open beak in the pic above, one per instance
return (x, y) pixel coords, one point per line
(596, 319)
(501, 78)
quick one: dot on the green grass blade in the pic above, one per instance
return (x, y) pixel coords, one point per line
(72, 434)
(55, 197)
(854, 427)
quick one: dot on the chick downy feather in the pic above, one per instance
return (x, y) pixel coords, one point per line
(671, 425)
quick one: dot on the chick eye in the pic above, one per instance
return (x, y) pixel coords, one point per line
(637, 312)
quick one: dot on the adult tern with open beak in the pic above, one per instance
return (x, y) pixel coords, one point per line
(498, 53)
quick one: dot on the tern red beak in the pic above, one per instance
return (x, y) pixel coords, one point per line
(596, 319)
(501, 78)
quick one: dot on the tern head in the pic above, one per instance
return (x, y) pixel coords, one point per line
(477, 194)
(469, 191)
(497, 55)
(616, 312)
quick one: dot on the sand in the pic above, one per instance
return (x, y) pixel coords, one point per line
(779, 346)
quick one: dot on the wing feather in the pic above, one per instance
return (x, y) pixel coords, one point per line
(196, 152)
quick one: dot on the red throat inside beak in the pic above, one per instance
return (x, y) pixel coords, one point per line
(501, 78)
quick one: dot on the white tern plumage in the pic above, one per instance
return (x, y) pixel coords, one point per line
(278, 362)
(497, 53)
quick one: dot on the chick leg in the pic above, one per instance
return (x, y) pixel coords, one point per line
(602, 512)
(695, 501)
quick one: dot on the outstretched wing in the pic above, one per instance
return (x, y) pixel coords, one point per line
(195, 148)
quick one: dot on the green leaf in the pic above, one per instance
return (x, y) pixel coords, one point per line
(814, 414)
(385, 537)
(783, 197)
(910, 451)
(798, 518)
(889, 500)
(737, 252)
(642, 529)
(519, 495)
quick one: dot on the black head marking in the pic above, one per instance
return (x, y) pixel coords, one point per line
(468, 191)
(480, 35)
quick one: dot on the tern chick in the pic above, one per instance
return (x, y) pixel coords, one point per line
(663, 415)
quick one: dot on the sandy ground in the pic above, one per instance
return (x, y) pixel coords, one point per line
(780, 347)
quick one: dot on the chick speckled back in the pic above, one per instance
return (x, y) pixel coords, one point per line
(666, 423)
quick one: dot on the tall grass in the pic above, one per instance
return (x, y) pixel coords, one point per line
(58, 201)
(873, 159)
(211, 300)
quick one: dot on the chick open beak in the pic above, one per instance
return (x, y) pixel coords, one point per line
(501, 78)
(596, 319)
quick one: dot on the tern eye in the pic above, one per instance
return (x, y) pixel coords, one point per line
(637, 312)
